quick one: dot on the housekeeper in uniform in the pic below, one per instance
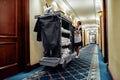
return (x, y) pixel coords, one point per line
(78, 38)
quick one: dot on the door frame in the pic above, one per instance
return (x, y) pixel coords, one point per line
(106, 59)
(25, 24)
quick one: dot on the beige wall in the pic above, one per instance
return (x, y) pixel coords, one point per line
(97, 37)
(49, 1)
(83, 36)
(36, 49)
(102, 25)
(114, 37)
(86, 36)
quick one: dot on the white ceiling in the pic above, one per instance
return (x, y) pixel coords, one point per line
(84, 10)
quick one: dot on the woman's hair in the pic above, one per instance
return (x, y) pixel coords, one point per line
(79, 22)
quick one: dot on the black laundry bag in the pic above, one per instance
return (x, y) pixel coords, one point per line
(48, 30)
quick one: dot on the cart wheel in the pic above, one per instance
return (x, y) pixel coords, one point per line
(64, 64)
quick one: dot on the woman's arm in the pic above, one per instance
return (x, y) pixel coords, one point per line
(77, 31)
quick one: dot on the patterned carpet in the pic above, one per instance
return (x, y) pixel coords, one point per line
(83, 68)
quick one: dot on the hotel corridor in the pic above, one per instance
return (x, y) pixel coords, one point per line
(89, 66)
(36, 30)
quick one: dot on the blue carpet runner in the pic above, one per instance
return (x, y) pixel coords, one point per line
(83, 68)
(104, 73)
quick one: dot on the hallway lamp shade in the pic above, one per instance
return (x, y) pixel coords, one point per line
(100, 13)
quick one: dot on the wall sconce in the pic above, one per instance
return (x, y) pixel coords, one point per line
(100, 13)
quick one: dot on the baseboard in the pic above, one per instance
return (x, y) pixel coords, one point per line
(8, 72)
(110, 73)
(31, 67)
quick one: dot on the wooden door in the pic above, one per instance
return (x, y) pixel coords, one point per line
(11, 37)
